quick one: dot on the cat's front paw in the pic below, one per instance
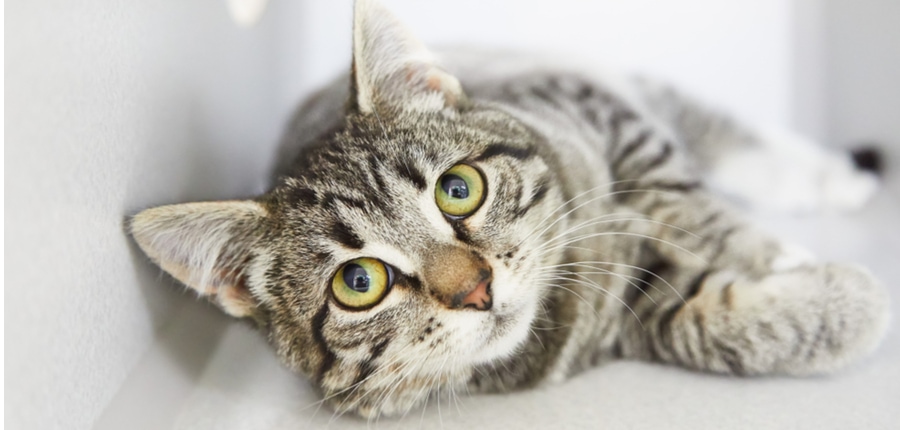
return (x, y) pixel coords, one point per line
(821, 318)
(791, 257)
(812, 319)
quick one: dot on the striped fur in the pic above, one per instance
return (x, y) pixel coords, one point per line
(602, 236)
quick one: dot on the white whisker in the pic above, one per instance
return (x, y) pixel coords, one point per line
(593, 199)
(638, 235)
(640, 269)
(602, 290)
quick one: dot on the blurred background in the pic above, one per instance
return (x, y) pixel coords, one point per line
(112, 107)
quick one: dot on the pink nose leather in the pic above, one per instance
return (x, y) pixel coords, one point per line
(479, 297)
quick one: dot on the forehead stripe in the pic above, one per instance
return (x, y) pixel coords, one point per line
(345, 235)
(329, 199)
(375, 171)
(411, 173)
(303, 195)
(500, 149)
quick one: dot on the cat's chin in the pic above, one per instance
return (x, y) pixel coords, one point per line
(508, 334)
(505, 329)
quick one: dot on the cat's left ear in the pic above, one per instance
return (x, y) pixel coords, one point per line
(209, 246)
(392, 70)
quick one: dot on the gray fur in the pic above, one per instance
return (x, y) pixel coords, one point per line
(604, 240)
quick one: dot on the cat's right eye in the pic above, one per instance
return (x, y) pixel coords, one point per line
(361, 283)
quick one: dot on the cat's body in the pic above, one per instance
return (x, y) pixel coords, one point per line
(596, 237)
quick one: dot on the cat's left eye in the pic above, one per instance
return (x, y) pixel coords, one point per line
(460, 191)
(361, 283)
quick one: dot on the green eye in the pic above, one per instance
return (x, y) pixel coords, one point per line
(361, 283)
(459, 191)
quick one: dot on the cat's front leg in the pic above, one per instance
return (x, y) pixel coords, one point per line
(747, 303)
(808, 320)
(693, 230)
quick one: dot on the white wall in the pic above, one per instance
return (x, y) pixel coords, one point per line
(116, 106)
(734, 53)
(862, 63)
(112, 107)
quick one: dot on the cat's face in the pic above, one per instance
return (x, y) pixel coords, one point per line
(405, 249)
(462, 283)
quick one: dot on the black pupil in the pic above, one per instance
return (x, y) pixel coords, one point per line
(356, 278)
(455, 186)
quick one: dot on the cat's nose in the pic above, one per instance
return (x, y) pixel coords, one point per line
(478, 297)
(459, 278)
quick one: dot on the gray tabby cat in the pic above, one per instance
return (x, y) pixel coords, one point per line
(493, 224)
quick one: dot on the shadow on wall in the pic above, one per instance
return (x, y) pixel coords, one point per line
(204, 128)
(189, 327)
(164, 378)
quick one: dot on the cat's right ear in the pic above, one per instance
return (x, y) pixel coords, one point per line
(209, 246)
(392, 70)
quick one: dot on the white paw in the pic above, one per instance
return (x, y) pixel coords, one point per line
(845, 188)
(786, 173)
(791, 257)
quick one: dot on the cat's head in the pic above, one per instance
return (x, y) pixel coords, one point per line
(406, 248)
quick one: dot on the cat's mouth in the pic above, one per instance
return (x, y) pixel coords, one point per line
(505, 328)
(502, 325)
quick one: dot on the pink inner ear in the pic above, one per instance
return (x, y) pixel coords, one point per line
(438, 81)
(434, 83)
(235, 298)
(431, 78)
